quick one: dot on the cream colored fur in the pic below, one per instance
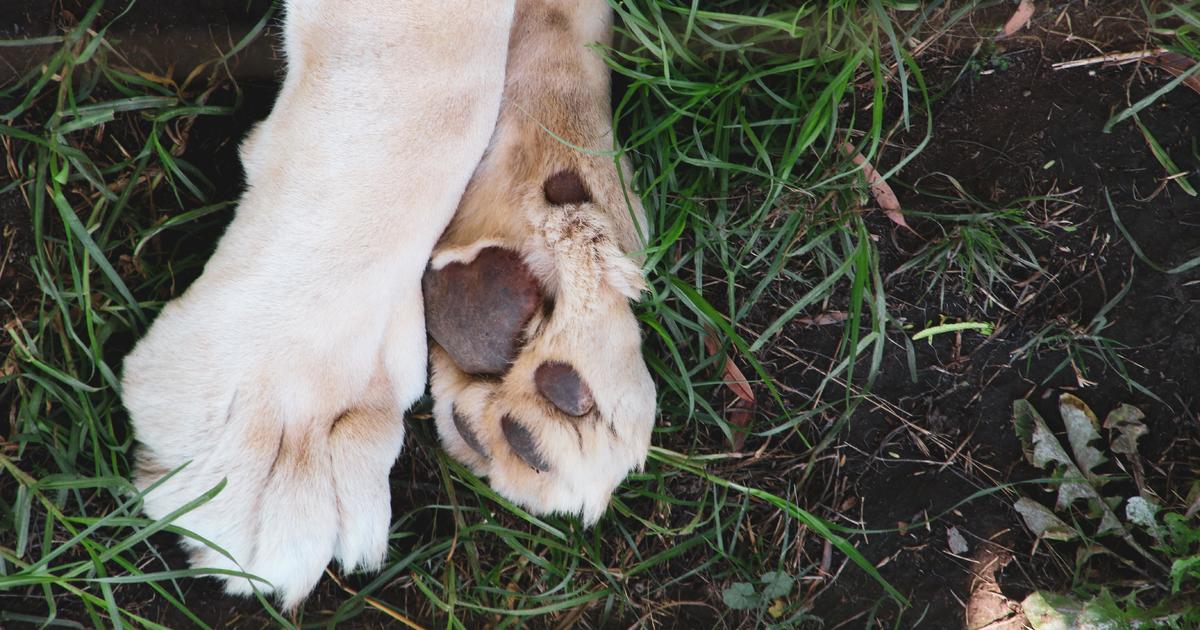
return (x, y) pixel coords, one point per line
(556, 116)
(286, 367)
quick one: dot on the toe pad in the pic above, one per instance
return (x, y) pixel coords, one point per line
(522, 443)
(559, 383)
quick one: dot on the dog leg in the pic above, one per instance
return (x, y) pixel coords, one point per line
(285, 368)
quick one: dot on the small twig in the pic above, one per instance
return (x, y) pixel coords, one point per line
(374, 603)
(1116, 58)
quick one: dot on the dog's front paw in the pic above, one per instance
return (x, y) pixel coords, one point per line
(304, 472)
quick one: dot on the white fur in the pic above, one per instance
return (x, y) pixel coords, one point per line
(310, 310)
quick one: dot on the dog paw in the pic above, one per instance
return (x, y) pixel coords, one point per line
(302, 485)
(537, 373)
(538, 377)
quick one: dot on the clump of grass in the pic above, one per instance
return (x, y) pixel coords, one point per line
(1176, 26)
(736, 115)
(978, 247)
(1084, 346)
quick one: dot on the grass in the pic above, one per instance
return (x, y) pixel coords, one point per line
(977, 246)
(735, 116)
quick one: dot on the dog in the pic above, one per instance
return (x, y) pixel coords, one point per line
(443, 167)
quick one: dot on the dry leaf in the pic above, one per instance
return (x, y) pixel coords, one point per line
(823, 319)
(883, 194)
(1125, 427)
(1176, 64)
(1020, 18)
(1126, 422)
(1043, 522)
(1043, 449)
(741, 412)
(733, 377)
(1082, 430)
(1051, 611)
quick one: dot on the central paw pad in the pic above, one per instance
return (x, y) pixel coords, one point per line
(477, 311)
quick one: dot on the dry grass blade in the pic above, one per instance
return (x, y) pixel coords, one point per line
(823, 319)
(1109, 58)
(1177, 65)
(374, 603)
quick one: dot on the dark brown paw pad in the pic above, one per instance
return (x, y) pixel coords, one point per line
(565, 187)
(560, 384)
(477, 311)
(522, 443)
(468, 436)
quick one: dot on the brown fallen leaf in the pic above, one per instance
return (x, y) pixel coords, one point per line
(883, 194)
(1176, 64)
(741, 411)
(733, 377)
(823, 319)
(1020, 18)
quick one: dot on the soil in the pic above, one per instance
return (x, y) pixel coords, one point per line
(936, 428)
(1010, 129)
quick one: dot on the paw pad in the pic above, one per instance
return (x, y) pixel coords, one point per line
(559, 383)
(522, 443)
(468, 436)
(565, 187)
(477, 311)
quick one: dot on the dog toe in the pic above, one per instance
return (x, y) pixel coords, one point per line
(560, 384)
